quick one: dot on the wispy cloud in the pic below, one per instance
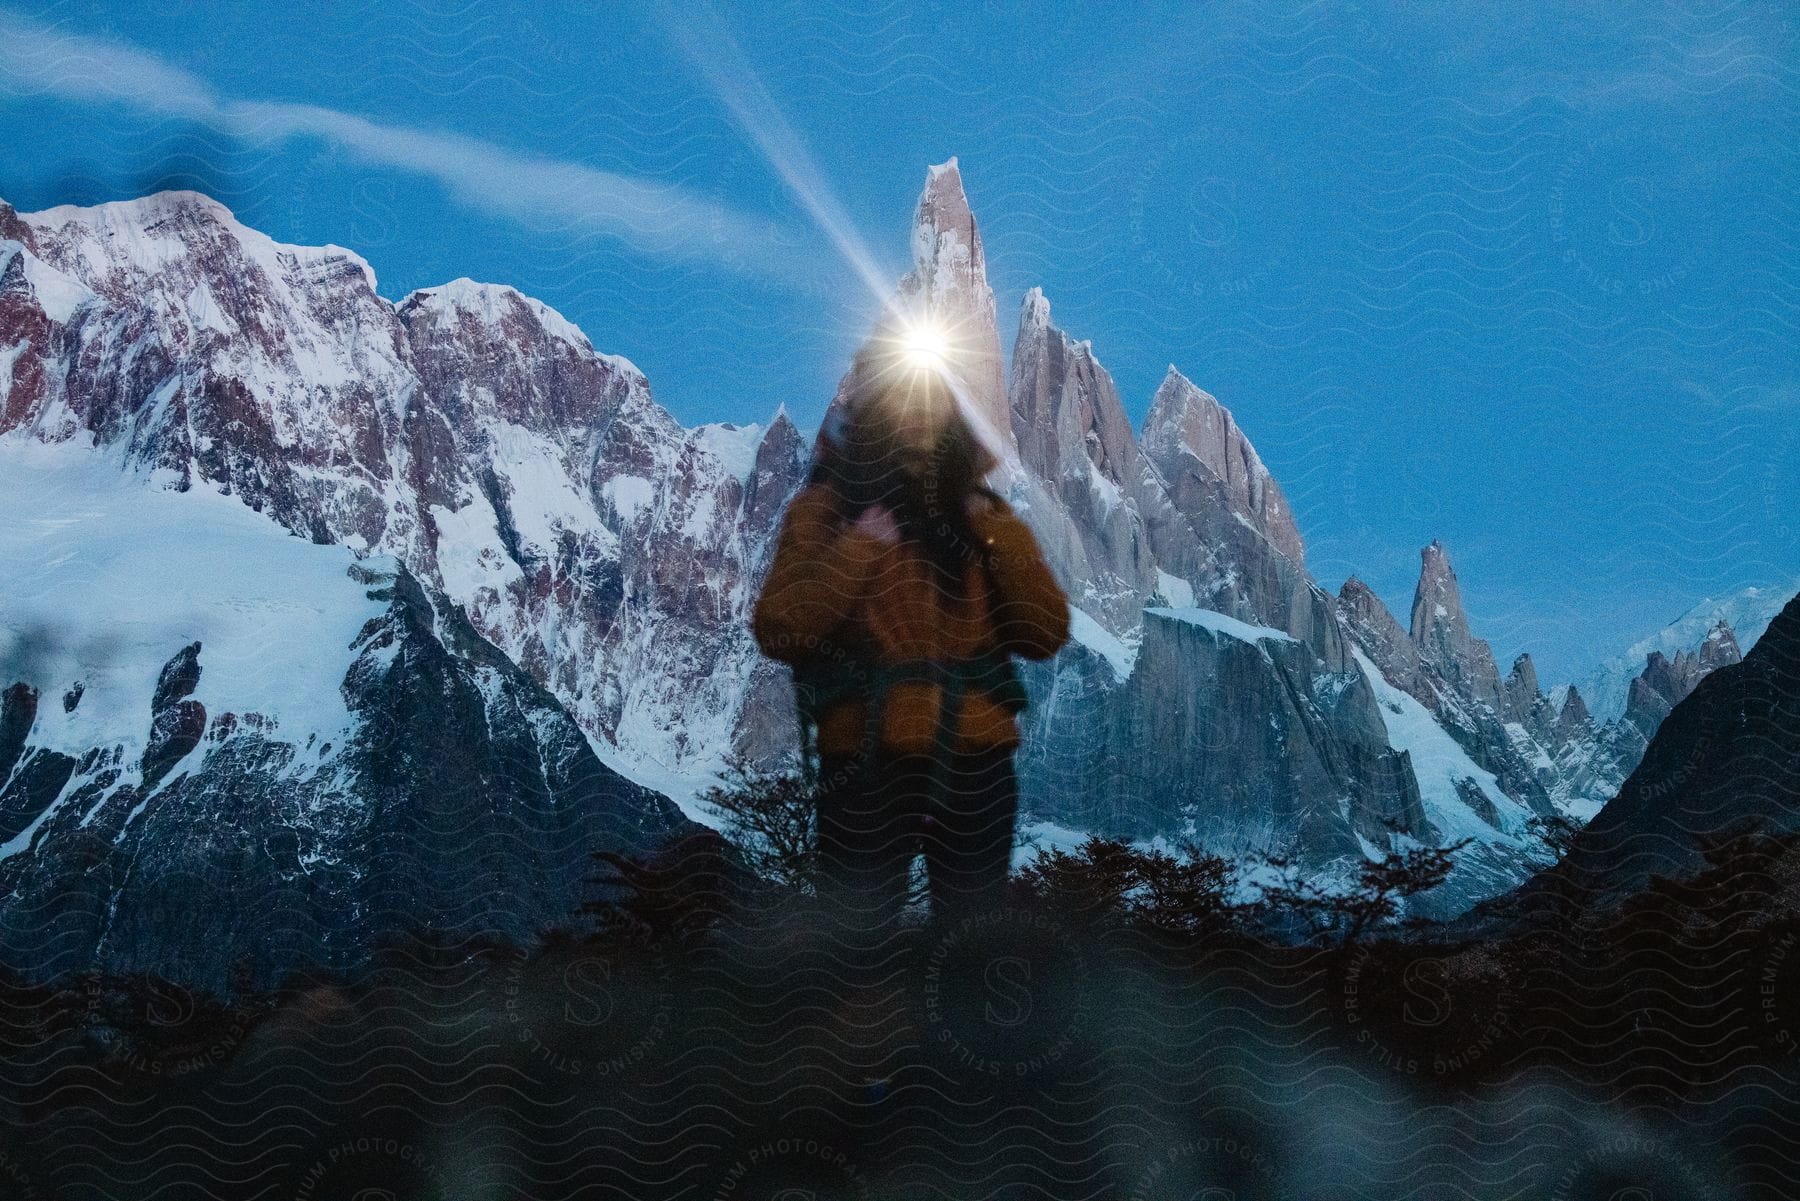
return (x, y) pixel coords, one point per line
(656, 218)
(1665, 66)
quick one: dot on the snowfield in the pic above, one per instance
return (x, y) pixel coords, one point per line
(1439, 763)
(109, 576)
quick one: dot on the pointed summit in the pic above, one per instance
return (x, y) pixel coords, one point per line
(1720, 648)
(1522, 693)
(943, 211)
(948, 290)
(1573, 719)
(1075, 450)
(1440, 630)
(948, 287)
(780, 432)
(1065, 409)
(1379, 635)
(1188, 425)
(778, 469)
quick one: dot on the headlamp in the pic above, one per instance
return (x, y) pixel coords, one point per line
(924, 346)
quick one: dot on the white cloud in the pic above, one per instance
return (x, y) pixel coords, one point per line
(654, 217)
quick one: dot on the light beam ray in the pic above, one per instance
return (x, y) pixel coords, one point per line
(700, 33)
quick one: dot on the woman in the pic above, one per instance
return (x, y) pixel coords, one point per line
(900, 589)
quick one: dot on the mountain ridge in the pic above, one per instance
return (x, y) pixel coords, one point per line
(531, 483)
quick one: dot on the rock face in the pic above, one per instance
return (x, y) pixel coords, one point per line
(1196, 443)
(1369, 623)
(1292, 758)
(1084, 482)
(1235, 540)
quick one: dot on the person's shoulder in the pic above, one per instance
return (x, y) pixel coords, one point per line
(985, 500)
(990, 505)
(813, 499)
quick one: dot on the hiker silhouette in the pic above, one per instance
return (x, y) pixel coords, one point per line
(901, 588)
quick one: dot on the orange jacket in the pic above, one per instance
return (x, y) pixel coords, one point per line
(833, 590)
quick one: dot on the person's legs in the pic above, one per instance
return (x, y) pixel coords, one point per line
(867, 836)
(968, 836)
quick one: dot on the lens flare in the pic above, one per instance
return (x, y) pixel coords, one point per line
(925, 346)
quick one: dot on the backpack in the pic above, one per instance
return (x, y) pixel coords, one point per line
(820, 684)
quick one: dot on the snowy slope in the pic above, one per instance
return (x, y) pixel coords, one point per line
(1445, 771)
(107, 576)
(227, 749)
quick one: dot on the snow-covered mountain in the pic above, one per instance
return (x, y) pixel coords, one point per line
(472, 482)
(1726, 760)
(1605, 723)
(1746, 613)
(469, 431)
(225, 750)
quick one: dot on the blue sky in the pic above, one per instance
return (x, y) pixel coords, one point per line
(1515, 276)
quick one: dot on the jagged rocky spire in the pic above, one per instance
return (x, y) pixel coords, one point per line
(1188, 429)
(1720, 648)
(1065, 408)
(1374, 629)
(949, 283)
(1083, 479)
(1440, 630)
(1574, 714)
(1521, 688)
(948, 288)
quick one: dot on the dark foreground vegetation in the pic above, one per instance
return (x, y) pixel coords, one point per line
(1133, 1025)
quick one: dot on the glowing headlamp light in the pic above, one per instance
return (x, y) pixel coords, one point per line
(924, 346)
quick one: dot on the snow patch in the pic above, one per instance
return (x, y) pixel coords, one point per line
(57, 294)
(629, 495)
(1045, 836)
(1439, 762)
(1219, 623)
(543, 497)
(8, 356)
(1097, 638)
(733, 445)
(1104, 489)
(108, 579)
(1177, 591)
(470, 555)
